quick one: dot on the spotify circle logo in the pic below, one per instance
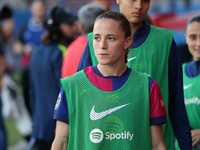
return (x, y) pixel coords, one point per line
(96, 136)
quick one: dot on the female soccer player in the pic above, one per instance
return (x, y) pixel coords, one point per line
(109, 106)
(191, 79)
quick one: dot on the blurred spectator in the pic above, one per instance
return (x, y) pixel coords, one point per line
(28, 39)
(45, 73)
(3, 137)
(9, 95)
(105, 3)
(87, 15)
(7, 39)
(191, 79)
(5, 19)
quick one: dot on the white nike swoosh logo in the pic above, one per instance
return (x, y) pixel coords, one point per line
(131, 59)
(97, 116)
(187, 86)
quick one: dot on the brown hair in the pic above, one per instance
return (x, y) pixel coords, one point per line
(123, 21)
(193, 19)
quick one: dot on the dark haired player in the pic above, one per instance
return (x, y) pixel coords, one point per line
(110, 106)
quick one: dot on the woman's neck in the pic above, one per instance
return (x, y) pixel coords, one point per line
(134, 27)
(107, 70)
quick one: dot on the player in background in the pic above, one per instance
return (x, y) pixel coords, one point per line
(191, 79)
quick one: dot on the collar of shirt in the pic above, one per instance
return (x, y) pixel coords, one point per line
(126, 73)
(193, 69)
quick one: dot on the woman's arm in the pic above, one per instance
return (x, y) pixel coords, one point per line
(157, 142)
(62, 135)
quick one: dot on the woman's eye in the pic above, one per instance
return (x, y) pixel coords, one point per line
(193, 37)
(111, 38)
(96, 38)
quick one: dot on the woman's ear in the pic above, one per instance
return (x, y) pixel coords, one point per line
(128, 42)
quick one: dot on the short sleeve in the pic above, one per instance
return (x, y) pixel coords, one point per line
(61, 107)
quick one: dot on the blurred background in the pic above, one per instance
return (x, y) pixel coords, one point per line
(169, 14)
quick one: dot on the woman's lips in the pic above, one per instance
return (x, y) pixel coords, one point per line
(103, 55)
(136, 14)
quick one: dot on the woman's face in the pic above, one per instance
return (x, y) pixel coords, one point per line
(192, 36)
(134, 10)
(8, 28)
(109, 42)
(38, 9)
(69, 30)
